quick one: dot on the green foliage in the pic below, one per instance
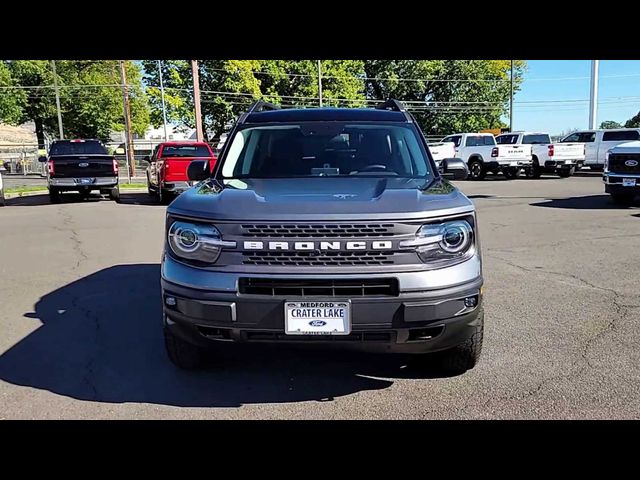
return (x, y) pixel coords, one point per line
(90, 97)
(633, 122)
(608, 124)
(475, 99)
(11, 100)
(474, 96)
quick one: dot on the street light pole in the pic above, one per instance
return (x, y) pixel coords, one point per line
(319, 82)
(511, 101)
(57, 91)
(164, 110)
(593, 100)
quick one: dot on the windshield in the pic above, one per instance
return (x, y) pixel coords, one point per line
(78, 148)
(535, 139)
(326, 149)
(185, 151)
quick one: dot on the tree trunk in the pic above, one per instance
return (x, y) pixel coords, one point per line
(39, 132)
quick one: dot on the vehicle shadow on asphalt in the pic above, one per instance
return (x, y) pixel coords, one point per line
(101, 340)
(590, 202)
(37, 200)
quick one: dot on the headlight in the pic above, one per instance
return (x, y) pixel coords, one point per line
(443, 244)
(195, 241)
(606, 162)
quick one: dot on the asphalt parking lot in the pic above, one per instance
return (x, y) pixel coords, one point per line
(80, 331)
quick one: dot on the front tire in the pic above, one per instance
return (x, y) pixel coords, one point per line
(511, 173)
(566, 172)
(114, 194)
(465, 356)
(182, 354)
(54, 195)
(622, 198)
(476, 170)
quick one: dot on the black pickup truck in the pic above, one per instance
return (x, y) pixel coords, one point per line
(81, 166)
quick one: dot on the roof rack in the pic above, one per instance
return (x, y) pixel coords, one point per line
(259, 106)
(396, 106)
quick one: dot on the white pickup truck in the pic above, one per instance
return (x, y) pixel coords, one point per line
(441, 150)
(549, 157)
(483, 155)
(598, 142)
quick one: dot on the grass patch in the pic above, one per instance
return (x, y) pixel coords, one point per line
(133, 185)
(26, 188)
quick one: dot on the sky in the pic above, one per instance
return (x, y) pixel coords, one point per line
(554, 96)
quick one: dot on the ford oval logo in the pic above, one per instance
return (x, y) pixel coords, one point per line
(83, 164)
(317, 323)
(631, 163)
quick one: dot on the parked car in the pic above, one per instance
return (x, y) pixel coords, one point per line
(621, 175)
(481, 153)
(2, 200)
(82, 166)
(167, 170)
(598, 142)
(548, 157)
(324, 226)
(441, 150)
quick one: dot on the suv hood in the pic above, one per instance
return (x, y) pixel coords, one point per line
(320, 198)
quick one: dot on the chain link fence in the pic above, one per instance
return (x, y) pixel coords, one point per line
(21, 159)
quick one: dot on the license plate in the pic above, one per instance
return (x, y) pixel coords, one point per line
(84, 181)
(628, 182)
(317, 318)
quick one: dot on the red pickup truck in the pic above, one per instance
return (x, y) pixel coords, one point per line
(167, 170)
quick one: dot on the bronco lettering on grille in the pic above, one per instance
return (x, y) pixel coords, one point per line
(333, 245)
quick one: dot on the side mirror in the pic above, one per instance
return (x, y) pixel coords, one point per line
(198, 170)
(42, 159)
(147, 158)
(454, 169)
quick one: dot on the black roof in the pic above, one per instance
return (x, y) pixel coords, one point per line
(326, 114)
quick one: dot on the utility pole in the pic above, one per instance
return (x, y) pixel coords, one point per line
(196, 100)
(593, 101)
(164, 110)
(320, 82)
(511, 101)
(131, 161)
(55, 87)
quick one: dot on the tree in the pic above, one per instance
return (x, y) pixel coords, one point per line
(608, 124)
(11, 99)
(633, 122)
(447, 95)
(90, 97)
(228, 87)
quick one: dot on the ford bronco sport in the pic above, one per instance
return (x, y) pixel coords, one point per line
(324, 225)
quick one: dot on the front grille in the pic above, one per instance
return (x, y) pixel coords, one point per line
(616, 163)
(385, 287)
(313, 259)
(314, 230)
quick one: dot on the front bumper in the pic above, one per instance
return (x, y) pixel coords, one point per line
(423, 317)
(176, 187)
(95, 183)
(613, 182)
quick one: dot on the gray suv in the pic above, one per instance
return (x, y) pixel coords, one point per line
(330, 226)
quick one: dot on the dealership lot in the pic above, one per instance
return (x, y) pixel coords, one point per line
(80, 329)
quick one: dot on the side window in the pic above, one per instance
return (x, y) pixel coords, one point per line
(574, 137)
(473, 141)
(587, 137)
(620, 135)
(489, 140)
(455, 139)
